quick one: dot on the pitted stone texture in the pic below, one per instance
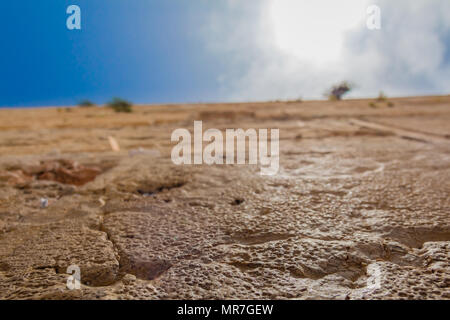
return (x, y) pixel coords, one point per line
(55, 247)
(407, 282)
(350, 205)
(150, 243)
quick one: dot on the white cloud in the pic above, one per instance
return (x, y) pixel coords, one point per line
(283, 49)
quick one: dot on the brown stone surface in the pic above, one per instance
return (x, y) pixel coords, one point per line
(359, 189)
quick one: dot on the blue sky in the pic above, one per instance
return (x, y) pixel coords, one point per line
(146, 51)
(173, 51)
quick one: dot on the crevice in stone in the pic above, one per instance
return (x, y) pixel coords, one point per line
(102, 228)
(151, 190)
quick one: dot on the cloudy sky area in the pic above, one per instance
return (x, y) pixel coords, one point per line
(292, 48)
(154, 51)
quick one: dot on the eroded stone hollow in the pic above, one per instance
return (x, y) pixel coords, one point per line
(60, 170)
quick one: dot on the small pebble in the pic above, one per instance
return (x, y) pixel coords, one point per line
(129, 278)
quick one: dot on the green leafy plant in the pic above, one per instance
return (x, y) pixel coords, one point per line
(338, 91)
(382, 97)
(120, 105)
(86, 103)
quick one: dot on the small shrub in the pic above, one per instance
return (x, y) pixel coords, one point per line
(86, 103)
(382, 97)
(372, 105)
(120, 105)
(338, 91)
(390, 104)
(298, 100)
(332, 97)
